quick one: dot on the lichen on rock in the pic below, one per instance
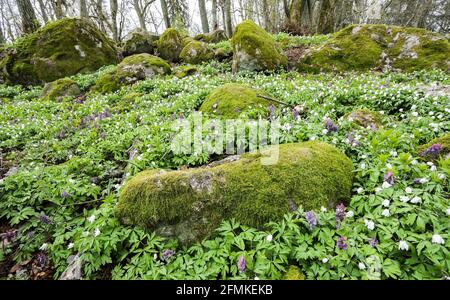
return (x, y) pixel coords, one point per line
(196, 52)
(379, 47)
(231, 100)
(255, 50)
(139, 41)
(365, 118)
(190, 204)
(59, 49)
(59, 89)
(130, 70)
(170, 45)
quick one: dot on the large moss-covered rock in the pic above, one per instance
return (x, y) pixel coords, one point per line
(59, 49)
(59, 89)
(190, 204)
(139, 41)
(130, 70)
(231, 100)
(365, 47)
(196, 52)
(170, 45)
(214, 37)
(255, 50)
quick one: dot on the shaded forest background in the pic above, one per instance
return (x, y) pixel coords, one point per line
(118, 17)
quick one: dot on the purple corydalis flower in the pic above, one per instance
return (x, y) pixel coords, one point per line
(41, 259)
(168, 253)
(44, 219)
(272, 111)
(340, 214)
(341, 244)
(389, 177)
(373, 242)
(312, 220)
(352, 141)
(10, 235)
(434, 151)
(242, 264)
(330, 126)
(64, 194)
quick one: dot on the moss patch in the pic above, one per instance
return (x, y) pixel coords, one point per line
(170, 45)
(139, 41)
(59, 49)
(365, 118)
(365, 47)
(189, 204)
(233, 99)
(196, 52)
(255, 50)
(184, 71)
(216, 36)
(130, 70)
(57, 90)
(293, 273)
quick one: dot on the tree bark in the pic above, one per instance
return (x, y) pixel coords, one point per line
(43, 11)
(266, 15)
(27, 16)
(215, 20)
(140, 13)
(203, 15)
(83, 9)
(165, 12)
(59, 9)
(114, 7)
(228, 20)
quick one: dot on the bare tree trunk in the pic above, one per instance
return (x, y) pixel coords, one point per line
(2, 36)
(27, 15)
(83, 9)
(266, 15)
(287, 13)
(114, 7)
(203, 16)
(228, 21)
(140, 13)
(215, 21)
(59, 9)
(165, 12)
(43, 11)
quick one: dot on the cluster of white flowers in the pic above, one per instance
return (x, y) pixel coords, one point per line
(403, 245)
(437, 239)
(369, 224)
(350, 214)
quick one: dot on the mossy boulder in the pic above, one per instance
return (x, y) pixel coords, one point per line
(59, 89)
(130, 70)
(231, 100)
(139, 41)
(214, 37)
(170, 45)
(196, 52)
(294, 273)
(190, 204)
(365, 118)
(255, 50)
(379, 47)
(439, 147)
(184, 71)
(59, 49)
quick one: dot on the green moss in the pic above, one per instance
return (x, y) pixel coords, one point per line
(233, 99)
(56, 90)
(254, 49)
(170, 45)
(191, 203)
(184, 71)
(138, 41)
(196, 52)
(131, 69)
(444, 141)
(59, 49)
(293, 273)
(365, 47)
(216, 36)
(365, 118)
